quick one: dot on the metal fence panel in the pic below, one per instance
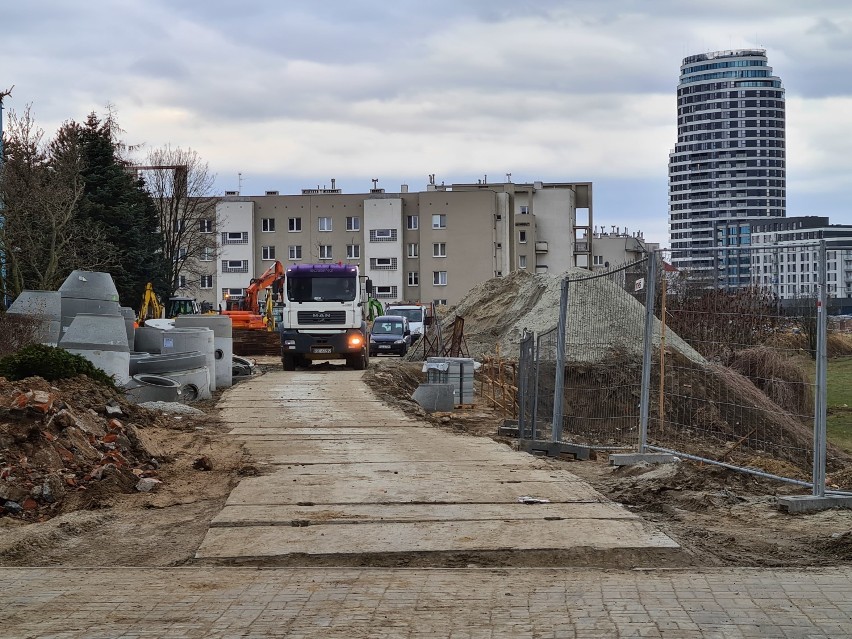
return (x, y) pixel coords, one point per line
(736, 343)
(526, 383)
(545, 380)
(603, 357)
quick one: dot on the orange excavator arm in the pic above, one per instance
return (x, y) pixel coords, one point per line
(269, 277)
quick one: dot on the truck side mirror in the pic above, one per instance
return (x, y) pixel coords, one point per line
(427, 321)
(369, 287)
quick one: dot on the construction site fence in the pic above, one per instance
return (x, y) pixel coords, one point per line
(724, 362)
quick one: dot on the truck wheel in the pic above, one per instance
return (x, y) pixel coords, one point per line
(358, 362)
(288, 362)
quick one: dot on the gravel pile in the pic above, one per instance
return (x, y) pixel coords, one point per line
(172, 407)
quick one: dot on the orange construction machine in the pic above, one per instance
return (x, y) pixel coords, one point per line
(245, 313)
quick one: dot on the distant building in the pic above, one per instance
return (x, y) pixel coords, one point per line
(728, 168)
(615, 247)
(786, 260)
(432, 245)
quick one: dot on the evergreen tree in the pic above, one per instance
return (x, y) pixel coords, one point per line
(115, 201)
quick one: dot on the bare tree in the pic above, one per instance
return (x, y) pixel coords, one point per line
(181, 185)
(41, 184)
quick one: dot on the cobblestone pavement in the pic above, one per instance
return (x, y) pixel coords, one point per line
(223, 602)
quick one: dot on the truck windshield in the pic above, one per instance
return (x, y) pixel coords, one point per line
(411, 314)
(321, 289)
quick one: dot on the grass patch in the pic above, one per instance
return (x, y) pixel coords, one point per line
(839, 424)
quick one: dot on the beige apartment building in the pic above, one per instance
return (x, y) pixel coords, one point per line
(432, 245)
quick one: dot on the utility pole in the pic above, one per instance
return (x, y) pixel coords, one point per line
(3, 94)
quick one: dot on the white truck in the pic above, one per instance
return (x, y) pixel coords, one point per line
(417, 315)
(324, 315)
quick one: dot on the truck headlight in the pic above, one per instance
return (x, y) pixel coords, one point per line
(355, 340)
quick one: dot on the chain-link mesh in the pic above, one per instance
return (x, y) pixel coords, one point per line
(603, 357)
(545, 355)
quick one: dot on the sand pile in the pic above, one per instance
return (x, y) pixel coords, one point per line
(603, 318)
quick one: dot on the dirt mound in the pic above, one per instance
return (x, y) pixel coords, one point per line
(68, 445)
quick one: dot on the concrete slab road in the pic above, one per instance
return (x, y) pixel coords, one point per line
(351, 481)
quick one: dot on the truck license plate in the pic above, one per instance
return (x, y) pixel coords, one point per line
(387, 346)
(321, 349)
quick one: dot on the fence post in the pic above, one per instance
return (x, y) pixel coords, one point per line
(559, 390)
(821, 403)
(645, 394)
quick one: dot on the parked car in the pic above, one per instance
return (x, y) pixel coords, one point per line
(390, 334)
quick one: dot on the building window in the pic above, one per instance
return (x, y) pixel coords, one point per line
(235, 238)
(267, 253)
(325, 252)
(413, 249)
(207, 254)
(295, 252)
(597, 260)
(412, 222)
(181, 281)
(181, 254)
(205, 226)
(522, 237)
(353, 223)
(439, 249)
(235, 266)
(385, 292)
(294, 224)
(232, 292)
(439, 278)
(353, 251)
(524, 209)
(383, 235)
(206, 281)
(439, 221)
(267, 225)
(179, 226)
(383, 263)
(522, 261)
(440, 302)
(324, 223)
(413, 278)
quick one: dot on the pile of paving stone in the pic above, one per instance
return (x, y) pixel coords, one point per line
(66, 440)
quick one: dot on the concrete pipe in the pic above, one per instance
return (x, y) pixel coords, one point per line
(148, 339)
(223, 342)
(134, 361)
(194, 383)
(152, 388)
(102, 340)
(190, 339)
(129, 316)
(46, 308)
(167, 363)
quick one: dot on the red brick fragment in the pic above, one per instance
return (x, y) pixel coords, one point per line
(29, 504)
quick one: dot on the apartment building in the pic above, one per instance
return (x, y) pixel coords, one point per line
(729, 163)
(785, 258)
(432, 245)
(616, 247)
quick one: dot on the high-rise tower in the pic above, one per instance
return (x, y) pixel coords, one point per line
(728, 167)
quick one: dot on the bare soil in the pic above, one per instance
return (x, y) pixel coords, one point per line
(92, 513)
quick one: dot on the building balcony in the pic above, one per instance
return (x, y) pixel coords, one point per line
(541, 247)
(581, 247)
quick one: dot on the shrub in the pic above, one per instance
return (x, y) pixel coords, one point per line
(783, 380)
(50, 363)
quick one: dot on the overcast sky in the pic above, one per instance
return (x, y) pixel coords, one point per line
(292, 94)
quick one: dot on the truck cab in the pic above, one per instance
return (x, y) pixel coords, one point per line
(324, 315)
